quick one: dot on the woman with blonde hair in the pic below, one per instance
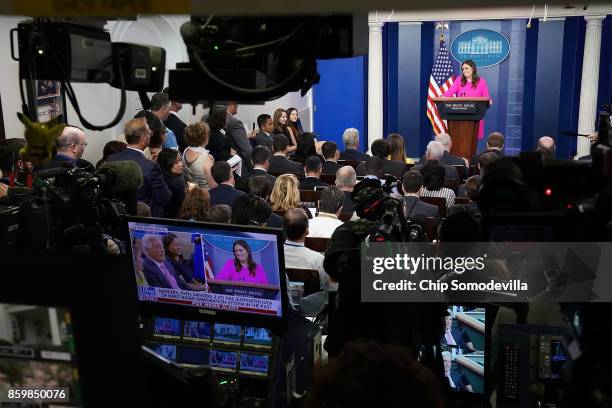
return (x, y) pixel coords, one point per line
(197, 161)
(279, 122)
(286, 194)
(397, 149)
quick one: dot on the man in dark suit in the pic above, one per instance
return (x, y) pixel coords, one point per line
(350, 138)
(414, 208)
(154, 192)
(157, 271)
(331, 154)
(495, 144)
(174, 123)
(380, 149)
(313, 173)
(262, 187)
(279, 163)
(435, 151)
(261, 162)
(264, 136)
(346, 178)
(224, 193)
(471, 190)
(448, 158)
(70, 146)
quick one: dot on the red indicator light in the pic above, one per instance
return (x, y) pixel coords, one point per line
(548, 192)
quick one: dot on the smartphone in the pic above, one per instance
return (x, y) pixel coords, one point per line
(253, 126)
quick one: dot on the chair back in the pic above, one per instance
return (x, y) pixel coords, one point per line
(462, 200)
(316, 244)
(352, 163)
(328, 178)
(310, 277)
(439, 202)
(310, 196)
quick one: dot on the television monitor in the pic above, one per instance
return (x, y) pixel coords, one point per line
(226, 333)
(164, 327)
(196, 330)
(223, 360)
(166, 350)
(257, 337)
(254, 364)
(465, 347)
(224, 270)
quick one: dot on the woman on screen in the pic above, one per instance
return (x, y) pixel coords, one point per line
(470, 85)
(242, 268)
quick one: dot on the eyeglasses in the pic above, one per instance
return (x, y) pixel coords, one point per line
(79, 144)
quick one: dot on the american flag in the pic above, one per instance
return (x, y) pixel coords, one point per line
(440, 81)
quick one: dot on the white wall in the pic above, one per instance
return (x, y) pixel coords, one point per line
(99, 103)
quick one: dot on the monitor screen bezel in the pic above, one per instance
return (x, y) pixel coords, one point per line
(167, 310)
(488, 384)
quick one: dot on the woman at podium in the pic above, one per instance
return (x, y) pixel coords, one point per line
(470, 85)
(242, 268)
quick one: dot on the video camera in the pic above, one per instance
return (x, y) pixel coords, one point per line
(381, 207)
(71, 207)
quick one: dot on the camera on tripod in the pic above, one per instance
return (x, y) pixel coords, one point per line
(70, 208)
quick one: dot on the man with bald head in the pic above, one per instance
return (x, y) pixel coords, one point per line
(70, 146)
(346, 178)
(546, 146)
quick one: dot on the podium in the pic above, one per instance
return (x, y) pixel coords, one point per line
(463, 116)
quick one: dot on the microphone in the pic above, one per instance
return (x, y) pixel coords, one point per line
(121, 176)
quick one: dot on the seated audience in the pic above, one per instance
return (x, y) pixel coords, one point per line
(346, 179)
(447, 158)
(197, 161)
(306, 147)
(250, 209)
(279, 163)
(279, 125)
(264, 136)
(171, 164)
(314, 168)
(195, 205)
(546, 146)
(295, 226)
(350, 138)
(397, 149)
(154, 192)
(380, 149)
(369, 374)
(261, 162)
(414, 208)
(294, 122)
(224, 193)
(262, 187)
(373, 168)
(484, 160)
(286, 194)
(220, 145)
(471, 190)
(495, 144)
(331, 154)
(112, 147)
(220, 213)
(435, 151)
(330, 206)
(433, 182)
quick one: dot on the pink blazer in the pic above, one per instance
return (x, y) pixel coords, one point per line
(468, 91)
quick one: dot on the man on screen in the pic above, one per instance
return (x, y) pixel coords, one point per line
(158, 271)
(454, 337)
(456, 380)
